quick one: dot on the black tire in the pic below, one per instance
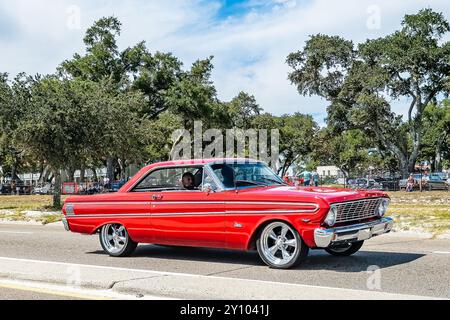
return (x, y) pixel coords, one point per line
(300, 254)
(128, 248)
(345, 251)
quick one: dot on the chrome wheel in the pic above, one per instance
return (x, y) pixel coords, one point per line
(279, 244)
(114, 238)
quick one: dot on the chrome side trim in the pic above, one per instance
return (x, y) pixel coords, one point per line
(140, 215)
(268, 211)
(110, 203)
(315, 205)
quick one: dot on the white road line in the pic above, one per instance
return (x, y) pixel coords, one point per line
(15, 232)
(441, 252)
(184, 275)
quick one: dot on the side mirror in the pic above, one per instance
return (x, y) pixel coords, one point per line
(207, 188)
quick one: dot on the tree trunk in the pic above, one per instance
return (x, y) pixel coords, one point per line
(94, 173)
(110, 169)
(82, 173)
(58, 187)
(122, 167)
(404, 167)
(346, 175)
(414, 154)
(45, 174)
(71, 174)
(438, 153)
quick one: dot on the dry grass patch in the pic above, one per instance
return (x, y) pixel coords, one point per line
(14, 208)
(422, 211)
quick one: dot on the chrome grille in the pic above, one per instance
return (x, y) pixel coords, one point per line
(357, 210)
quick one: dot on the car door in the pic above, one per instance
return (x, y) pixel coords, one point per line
(188, 217)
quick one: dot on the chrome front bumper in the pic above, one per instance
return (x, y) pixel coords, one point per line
(325, 238)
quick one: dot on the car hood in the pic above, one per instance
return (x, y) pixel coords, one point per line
(309, 194)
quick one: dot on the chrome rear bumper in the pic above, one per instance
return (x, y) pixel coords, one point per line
(65, 223)
(325, 238)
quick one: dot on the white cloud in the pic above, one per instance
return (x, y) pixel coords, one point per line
(249, 50)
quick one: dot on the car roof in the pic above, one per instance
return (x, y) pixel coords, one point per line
(202, 162)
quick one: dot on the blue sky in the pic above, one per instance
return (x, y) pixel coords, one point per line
(240, 8)
(250, 40)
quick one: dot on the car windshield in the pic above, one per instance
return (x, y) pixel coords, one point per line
(244, 175)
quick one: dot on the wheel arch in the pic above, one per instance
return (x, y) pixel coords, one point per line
(251, 244)
(99, 227)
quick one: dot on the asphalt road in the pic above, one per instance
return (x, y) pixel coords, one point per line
(391, 263)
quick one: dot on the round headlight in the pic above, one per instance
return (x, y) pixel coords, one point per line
(382, 208)
(331, 217)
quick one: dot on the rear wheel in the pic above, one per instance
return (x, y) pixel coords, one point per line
(345, 250)
(280, 246)
(116, 241)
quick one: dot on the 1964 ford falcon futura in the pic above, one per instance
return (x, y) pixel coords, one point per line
(233, 204)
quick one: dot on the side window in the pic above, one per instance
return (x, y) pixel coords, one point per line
(208, 180)
(169, 179)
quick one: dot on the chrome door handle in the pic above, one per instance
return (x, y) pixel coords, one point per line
(157, 197)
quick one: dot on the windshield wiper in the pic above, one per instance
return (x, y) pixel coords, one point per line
(272, 180)
(256, 183)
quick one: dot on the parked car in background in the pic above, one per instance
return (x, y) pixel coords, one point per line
(43, 190)
(5, 189)
(435, 181)
(17, 189)
(364, 183)
(116, 185)
(232, 204)
(389, 184)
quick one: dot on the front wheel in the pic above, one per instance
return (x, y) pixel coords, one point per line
(280, 246)
(116, 241)
(345, 250)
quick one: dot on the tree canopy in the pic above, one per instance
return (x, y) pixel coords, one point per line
(361, 81)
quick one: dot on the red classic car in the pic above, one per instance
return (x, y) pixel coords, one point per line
(229, 203)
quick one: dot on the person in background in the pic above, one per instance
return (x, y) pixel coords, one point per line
(14, 187)
(286, 179)
(410, 183)
(307, 178)
(316, 179)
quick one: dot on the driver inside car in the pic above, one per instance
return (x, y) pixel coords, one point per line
(188, 181)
